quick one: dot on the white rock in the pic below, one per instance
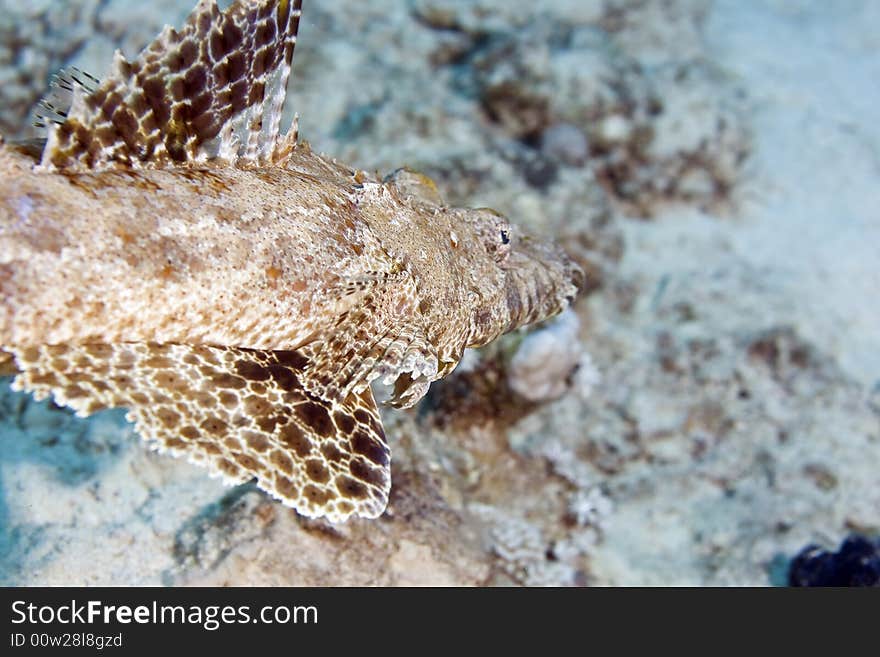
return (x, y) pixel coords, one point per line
(565, 142)
(543, 366)
(615, 129)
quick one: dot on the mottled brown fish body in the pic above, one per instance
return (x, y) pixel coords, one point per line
(224, 256)
(172, 253)
(259, 258)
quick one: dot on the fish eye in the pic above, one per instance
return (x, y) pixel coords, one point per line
(493, 231)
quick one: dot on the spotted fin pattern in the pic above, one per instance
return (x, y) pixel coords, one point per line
(214, 89)
(241, 413)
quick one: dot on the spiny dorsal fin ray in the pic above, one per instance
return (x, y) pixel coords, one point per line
(213, 89)
(54, 107)
(241, 413)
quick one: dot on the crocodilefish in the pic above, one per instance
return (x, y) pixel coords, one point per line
(171, 251)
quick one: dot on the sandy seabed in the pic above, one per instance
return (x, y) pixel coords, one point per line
(710, 406)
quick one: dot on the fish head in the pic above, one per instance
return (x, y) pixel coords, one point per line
(520, 278)
(476, 274)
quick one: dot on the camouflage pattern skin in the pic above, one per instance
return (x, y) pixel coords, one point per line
(173, 254)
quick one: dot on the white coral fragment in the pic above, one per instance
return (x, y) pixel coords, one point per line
(551, 361)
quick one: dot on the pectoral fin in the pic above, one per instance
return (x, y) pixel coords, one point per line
(379, 339)
(240, 413)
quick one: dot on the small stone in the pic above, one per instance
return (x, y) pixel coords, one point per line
(542, 368)
(614, 129)
(540, 172)
(821, 475)
(565, 142)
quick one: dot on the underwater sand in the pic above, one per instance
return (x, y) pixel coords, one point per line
(714, 165)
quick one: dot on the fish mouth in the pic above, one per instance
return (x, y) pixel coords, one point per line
(558, 265)
(576, 276)
(542, 281)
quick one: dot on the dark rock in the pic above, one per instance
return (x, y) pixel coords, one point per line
(856, 563)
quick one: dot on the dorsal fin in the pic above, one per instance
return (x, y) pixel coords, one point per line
(53, 108)
(213, 89)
